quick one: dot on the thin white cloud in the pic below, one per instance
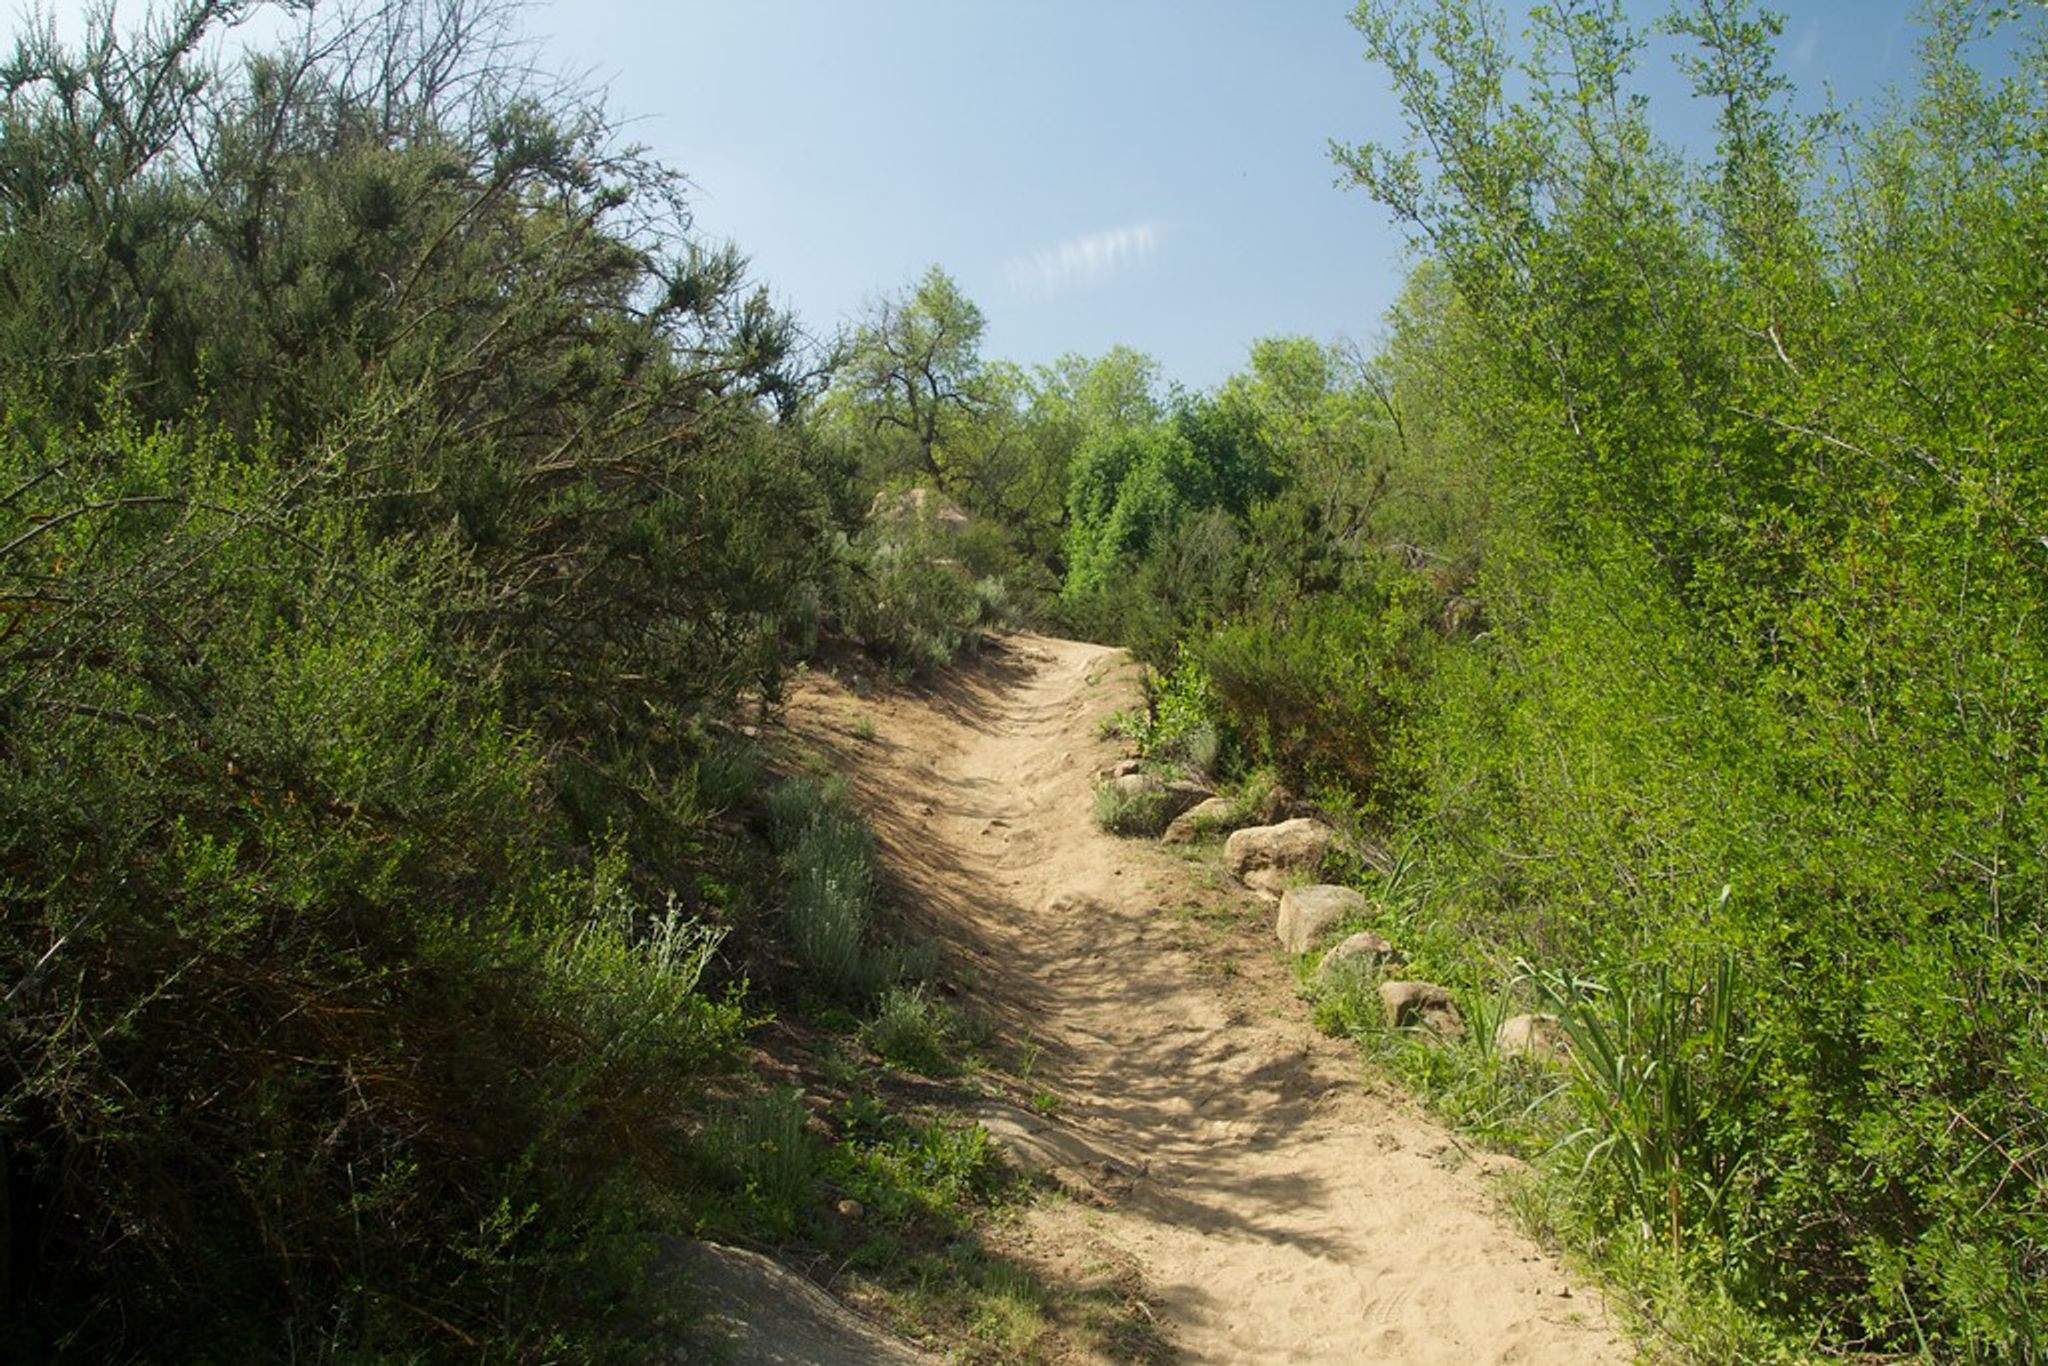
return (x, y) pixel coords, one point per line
(1804, 50)
(1891, 42)
(1089, 259)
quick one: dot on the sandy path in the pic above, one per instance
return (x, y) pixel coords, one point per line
(1274, 1207)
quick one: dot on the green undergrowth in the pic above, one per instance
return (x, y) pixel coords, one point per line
(403, 515)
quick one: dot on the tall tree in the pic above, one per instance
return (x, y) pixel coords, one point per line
(916, 378)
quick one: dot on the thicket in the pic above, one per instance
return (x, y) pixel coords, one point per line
(398, 511)
(1666, 594)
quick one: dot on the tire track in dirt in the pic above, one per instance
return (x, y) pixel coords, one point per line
(1275, 1206)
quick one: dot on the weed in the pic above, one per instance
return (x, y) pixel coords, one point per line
(728, 773)
(994, 606)
(839, 1069)
(1126, 723)
(1012, 1308)
(827, 899)
(828, 863)
(906, 1170)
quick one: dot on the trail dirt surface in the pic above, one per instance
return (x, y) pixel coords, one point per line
(1267, 1201)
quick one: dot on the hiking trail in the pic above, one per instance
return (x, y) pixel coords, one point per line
(1269, 1202)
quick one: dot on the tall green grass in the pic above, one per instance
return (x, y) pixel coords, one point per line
(1666, 1084)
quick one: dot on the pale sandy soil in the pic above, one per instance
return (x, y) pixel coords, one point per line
(1268, 1201)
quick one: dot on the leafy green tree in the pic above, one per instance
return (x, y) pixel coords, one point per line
(1755, 445)
(1130, 488)
(915, 380)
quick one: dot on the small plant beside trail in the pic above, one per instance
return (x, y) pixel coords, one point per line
(827, 860)
(1141, 808)
(912, 1031)
(1668, 1083)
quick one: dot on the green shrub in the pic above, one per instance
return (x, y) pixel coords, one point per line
(994, 606)
(361, 644)
(827, 860)
(910, 1030)
(1185, 723)
(1326, 687)
(1758, 616)
(905, 1170)
(907, 596)
(828, 882)
(305, 910)
(1668, 1085)
(1348, 1003)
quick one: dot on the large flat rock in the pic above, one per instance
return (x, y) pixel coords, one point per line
(760, 1313)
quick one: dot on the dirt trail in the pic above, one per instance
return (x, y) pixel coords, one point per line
(1272, 1205)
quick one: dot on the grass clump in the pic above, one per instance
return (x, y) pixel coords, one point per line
(763, 1155)
(827, 861)
(914, 1032)
(1140, 809)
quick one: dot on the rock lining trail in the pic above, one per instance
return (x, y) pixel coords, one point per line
(1267, 1201)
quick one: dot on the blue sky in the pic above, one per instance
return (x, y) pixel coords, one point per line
(1091, 172)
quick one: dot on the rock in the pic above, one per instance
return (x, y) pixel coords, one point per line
(1211, 817)
(1309, 913)
(1540, 1038)
(1080, 1164)
(1266, 858)
(1136, 786)
(757, 1312)
(1422, 1004)
(907, 507)
(1362, 951)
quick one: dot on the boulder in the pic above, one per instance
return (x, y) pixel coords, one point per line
(758, 1312)
(1211, 817)
(1420, 1004)
(1540, 1038)
(1361, 952)
(1266, 858)
(1309, 913)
